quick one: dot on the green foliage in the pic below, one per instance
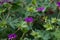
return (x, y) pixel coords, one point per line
(48, 26)
(45, 25)
(57, 33)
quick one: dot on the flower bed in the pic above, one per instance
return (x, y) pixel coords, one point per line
(29, 20)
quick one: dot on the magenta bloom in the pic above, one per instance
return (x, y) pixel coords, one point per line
(1, 2)
(11, 36)
(29, 19)
(40, 9)
(58, 4)
(6, 0)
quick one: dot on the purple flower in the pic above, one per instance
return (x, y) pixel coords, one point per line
(11, 36)
(58, 4)
(40, 9)
(6, 0)
(1, 3)
(29, 19)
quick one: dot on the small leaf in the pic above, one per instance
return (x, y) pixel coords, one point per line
(48, 26)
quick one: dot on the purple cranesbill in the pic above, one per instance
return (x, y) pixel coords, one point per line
(40, 9)
(12, 36)
(6, 0)
(29, 19)
(1, 2)
(58, 4)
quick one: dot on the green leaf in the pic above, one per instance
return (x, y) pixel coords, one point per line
(34, 2)
(2, 10)
(7, 5)
(48, 26)
(3, 23)
(53, 20)
(57, 34)
(36, 34)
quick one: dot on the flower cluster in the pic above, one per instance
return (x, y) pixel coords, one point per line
(29, 19)
(12, 36)
(58, 4)
(40, 9)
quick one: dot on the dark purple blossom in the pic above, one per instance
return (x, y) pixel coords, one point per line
(58, 4)
(1, 2)
(5, 1)
(29, 19)
(11, 36)
(40, 9)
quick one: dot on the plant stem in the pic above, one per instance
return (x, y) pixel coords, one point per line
(58, 14)
(16, 30)
(22, 35)
(8, 12)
